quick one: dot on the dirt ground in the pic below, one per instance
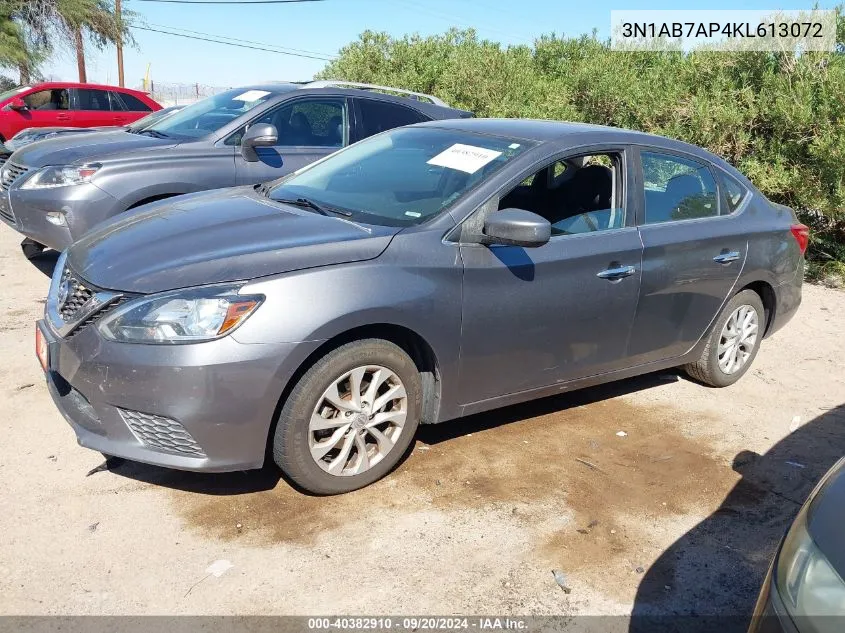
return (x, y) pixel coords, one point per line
(681, 515)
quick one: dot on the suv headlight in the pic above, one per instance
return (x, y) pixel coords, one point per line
(806, 581)
(61, 176)
(184, 316)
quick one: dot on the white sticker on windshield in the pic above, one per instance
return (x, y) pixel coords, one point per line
(251, 95)
(467, 158)
(513, 146)
(413, 214)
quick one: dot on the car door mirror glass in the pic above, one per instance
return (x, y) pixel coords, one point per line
(517, 227)
(258, 135)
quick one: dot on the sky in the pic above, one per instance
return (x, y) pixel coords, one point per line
(320, 29)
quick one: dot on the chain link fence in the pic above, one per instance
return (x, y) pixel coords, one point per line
(168, 94)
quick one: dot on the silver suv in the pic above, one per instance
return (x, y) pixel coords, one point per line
(55, 190)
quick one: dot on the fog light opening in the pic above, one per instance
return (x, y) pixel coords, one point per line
(57, 218)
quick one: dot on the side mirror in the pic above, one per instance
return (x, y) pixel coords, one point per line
(517, 227)
(258, 135)
(17, 104)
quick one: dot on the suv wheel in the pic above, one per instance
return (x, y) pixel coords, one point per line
(31, 249)
(350, 418)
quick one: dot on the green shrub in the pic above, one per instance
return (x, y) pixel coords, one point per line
(780, 118)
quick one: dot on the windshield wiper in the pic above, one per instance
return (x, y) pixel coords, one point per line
(310, 204)
(153, 133)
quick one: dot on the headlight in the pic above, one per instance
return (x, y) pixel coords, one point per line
(185, 316)
(807, 582)
(61, 176)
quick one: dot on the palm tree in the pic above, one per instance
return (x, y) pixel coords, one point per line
(48, 24)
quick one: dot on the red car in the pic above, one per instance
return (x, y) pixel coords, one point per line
(71, 105)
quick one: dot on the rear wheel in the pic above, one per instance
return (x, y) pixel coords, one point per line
(733, 343)
(350, 418)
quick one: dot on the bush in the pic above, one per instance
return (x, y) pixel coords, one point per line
(779, 118)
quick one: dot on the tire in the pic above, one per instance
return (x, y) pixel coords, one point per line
(707, 368)
(294, 438)
(31, 249)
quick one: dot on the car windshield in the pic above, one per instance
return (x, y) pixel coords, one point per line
(209, 115)
(12, 92)
(153, 117)
(402, 177)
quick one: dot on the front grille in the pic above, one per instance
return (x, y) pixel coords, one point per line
(6, 212)
(3, 160)
(10, 173)
(96, 316)
(77, 296)
(161, 433)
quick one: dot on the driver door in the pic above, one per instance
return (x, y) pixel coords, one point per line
(309, 129)
(536, 317)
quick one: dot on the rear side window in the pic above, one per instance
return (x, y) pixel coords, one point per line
(378, 116)
(677, 189)
(116, 103)
(733, 191)
(88, 99)
(133, 103)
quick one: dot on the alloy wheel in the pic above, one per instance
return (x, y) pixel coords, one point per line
(738, 338)
(357, 420)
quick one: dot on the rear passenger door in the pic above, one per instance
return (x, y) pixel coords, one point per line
(374, 115)
(693, 252)
(308, 129)
(92, 107)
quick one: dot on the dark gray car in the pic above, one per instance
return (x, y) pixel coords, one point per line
(53, 192)
(804, 591)
(421, 275)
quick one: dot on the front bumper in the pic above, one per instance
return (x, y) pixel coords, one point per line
(203, 407)
(83, 206)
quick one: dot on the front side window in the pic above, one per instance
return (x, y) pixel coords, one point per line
(677, 189)
(97, 100)
(211, 114)
(378, 116)
(309, 122)
(56, 99)
(402, 177)
(581, 194)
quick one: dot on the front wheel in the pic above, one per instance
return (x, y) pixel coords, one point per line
(733, 343)
(31, 249)
(350, 418)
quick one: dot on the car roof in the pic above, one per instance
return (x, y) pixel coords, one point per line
(49, 85)
(547, 131)
(434, 110)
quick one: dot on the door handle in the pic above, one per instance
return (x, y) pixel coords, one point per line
(614, 274)
(62, 117)
(726, 258)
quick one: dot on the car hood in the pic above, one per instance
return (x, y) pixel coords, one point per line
(214, 237)
(66, 149)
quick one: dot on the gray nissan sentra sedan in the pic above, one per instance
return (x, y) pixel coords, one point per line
(424, 274)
